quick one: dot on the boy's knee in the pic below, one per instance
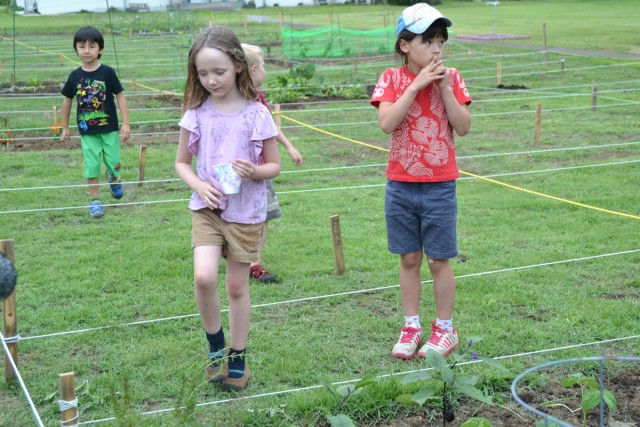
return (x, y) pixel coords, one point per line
(411, 260)
(437, 264)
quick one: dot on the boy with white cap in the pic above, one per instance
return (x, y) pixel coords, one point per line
(420, 104)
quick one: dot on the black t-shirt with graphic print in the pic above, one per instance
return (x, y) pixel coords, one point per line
(94, 92)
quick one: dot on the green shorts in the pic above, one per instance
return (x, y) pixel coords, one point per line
(101, 146)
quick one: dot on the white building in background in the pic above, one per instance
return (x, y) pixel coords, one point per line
(55, 7)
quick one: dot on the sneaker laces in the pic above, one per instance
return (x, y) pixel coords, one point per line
(437, 334)
(408, 334)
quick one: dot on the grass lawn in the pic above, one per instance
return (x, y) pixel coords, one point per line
(549, 264)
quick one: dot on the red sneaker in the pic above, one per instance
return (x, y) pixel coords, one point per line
(444, 342)
(258, 273)
(408, 343)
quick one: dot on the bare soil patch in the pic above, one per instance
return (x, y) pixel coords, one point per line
(556, 400)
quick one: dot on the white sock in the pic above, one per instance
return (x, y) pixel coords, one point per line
(447, 325)
(413, 321)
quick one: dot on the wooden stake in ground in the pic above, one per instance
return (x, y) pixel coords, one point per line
(538, 121)
(544, 35)
(142, 160)
(7, 247)
(277, 116)
(337, 244)
(499, 73)
(68, 403)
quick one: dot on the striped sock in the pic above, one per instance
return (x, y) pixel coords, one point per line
(237, 363)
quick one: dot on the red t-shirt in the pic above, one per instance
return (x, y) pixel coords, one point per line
(422, 146)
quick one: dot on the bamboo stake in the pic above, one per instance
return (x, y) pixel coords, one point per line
(337, 245)
(499, 73)
(277, 115)
(141, 164)
(538, 121)
(544, 34)
(7, 247)
(69, 413)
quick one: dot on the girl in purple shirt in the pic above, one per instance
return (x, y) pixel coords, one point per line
(223, 123)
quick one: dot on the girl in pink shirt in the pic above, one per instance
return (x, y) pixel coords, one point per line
(224, 123)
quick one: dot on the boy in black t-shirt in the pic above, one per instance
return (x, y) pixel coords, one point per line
(94, 86)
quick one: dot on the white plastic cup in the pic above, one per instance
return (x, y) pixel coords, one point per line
(228, 178)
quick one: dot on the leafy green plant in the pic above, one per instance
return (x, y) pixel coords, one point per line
(341, 394)
(294, 86)
(589, 392)
(476, 422)
(447, 384)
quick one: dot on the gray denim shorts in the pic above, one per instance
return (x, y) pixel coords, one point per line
(273, 207)
(421, 216)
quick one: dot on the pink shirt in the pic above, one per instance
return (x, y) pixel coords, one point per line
(220, 138)
(422, 146)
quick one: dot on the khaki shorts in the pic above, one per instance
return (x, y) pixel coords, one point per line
(242, 240)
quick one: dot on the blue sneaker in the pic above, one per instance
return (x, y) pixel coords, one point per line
(95, 209)
(115, 185)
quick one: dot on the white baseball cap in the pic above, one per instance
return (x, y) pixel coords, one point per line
(418, 18)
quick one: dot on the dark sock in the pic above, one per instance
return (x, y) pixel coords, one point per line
(236, 363)
(216, 341)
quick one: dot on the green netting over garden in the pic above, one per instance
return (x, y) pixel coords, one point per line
(334, 42)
